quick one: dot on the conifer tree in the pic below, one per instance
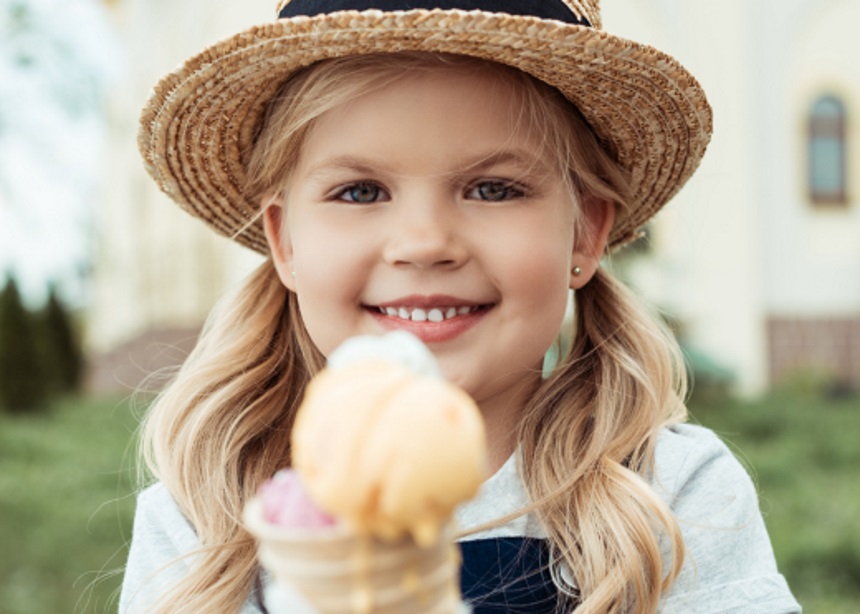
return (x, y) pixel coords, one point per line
(22, 386)
(62, 357)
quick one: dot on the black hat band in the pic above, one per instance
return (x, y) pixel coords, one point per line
(544, 9)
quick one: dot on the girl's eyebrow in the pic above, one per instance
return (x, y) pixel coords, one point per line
(520, 158)
(346, 162)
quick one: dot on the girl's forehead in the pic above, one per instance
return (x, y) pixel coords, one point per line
(468, 88)
(456, 113)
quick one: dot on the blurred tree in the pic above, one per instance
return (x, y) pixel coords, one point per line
(22, 385)
(62, 358)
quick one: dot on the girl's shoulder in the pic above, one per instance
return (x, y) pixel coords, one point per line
(161, 530)
(689, 458)
(162, 539)
(729, 563)
(680, 440)
(157, 510)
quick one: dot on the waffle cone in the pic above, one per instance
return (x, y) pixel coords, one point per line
(341, 572)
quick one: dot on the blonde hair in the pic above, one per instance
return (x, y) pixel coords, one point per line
(587, 436)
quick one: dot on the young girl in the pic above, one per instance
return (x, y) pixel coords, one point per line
(453, 169)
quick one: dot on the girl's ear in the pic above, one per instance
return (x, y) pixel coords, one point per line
(598, 216)
(277, 235)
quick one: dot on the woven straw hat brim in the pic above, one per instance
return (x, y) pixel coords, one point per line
(198, 127)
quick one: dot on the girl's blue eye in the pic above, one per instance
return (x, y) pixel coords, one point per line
(495, 191)
(364, 192)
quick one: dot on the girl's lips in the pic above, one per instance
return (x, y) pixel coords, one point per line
(431, 323)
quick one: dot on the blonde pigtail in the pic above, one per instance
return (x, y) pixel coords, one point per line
(588, 441)
(222, 427)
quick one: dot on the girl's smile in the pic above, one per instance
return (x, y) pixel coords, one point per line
(432, 206)
(433, 319)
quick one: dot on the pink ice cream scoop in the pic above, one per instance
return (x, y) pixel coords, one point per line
(286, 503)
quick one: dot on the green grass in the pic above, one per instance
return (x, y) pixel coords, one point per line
(66, 503)
(804, 453)
(66, 498)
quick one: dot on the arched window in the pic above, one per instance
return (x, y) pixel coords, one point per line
(827, 165)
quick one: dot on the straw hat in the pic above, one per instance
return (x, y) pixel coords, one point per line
(198, 126)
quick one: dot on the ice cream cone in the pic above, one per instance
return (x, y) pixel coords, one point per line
(342, 572)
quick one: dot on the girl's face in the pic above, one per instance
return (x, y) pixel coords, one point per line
(424, 206)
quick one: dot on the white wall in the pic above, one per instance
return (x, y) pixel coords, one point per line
(705, 270)
(157, 266)
(741, 242)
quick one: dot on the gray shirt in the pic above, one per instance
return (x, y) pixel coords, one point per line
(729, 565)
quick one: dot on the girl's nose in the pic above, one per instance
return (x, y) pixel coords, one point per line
(425, 236)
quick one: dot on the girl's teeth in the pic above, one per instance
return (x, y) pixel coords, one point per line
(420, 315)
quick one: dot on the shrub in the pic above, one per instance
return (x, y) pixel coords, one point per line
(22, 385)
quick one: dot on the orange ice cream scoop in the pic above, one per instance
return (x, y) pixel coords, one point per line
(388, 450)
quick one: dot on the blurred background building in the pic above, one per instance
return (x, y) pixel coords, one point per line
(157, 270)
(758, 260)
(756, 263)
